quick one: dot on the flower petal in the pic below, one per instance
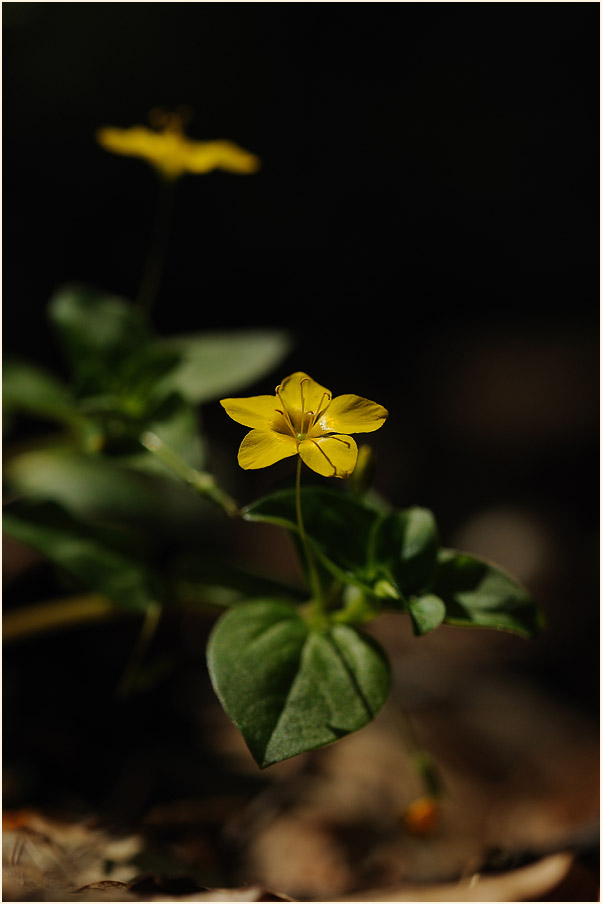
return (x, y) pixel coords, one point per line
(331, 456)
(352, 414)
(203, 156)
(173, 153)
(300, 392)
(262, 448)
(256, 411)
(137, 141)
(164, 150)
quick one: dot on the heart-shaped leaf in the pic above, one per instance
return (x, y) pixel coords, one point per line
(289, 689)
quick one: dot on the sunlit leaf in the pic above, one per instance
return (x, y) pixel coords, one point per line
(289, 689)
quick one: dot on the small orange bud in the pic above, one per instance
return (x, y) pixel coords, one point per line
(422, 816)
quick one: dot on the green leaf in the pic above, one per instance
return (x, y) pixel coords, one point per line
(427, 612)
(97, 331)
(201, 580)
(86, 485)
(218, 363)
(30, 389)
(477, 593)
(177, 426)
(405, 547)
(103, 559)
(391, 555)
(98, 488)
(338, 525)
(142, 374)
(289, 689)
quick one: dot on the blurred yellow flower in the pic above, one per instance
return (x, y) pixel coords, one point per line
(303, 418)
(169, 150)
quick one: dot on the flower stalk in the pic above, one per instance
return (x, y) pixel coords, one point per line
(314, 578)
(155, 261)
(172, 154)
(202, 482)
(422, 761)
(150, 623)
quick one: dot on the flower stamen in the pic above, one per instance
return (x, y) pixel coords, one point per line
(302, 399)
(301, 382)
(285, 413)
(302, 431)
(320, 410)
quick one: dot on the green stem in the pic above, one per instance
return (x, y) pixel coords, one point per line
(155, 261)
(316, 587)
(200, 481)
(72, 612)
(358, 608)
(148, 630)
(421, 759)
(58, 614)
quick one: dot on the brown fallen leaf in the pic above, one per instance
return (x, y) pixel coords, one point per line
(530, 883)
(109, 885)
(48, 859)
(102, 891)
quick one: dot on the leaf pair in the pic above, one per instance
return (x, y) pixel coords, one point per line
(395, 556)
(124, 381)
(105, 335)
(291, 688)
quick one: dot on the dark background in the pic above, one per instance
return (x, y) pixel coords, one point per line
(425, 222)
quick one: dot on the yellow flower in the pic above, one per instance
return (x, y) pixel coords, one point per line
(172, 153)
(302, 417)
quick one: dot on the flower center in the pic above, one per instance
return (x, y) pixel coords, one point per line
(169, 122)
(299, 421)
